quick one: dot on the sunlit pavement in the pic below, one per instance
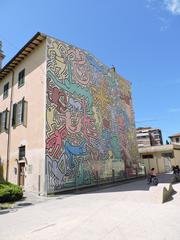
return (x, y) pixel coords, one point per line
(127, 211)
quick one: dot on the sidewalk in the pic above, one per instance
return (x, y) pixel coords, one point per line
(164, 179)
(121, 212)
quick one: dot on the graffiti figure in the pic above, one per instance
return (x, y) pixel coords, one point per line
(56, 59)
(54, 142)
(72, 150)
(74, 104)
(72, 88)
(58, 97)
(101, 98)
(73, 124)
(88, 124)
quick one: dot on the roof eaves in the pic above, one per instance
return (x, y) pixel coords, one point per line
(23, 52)
(175, 135)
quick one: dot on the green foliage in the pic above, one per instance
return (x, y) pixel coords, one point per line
(1, 174)
(10, 192)
(6, 205)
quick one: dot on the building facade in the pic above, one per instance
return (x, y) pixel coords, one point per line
(162, 158)
(66, 118)
(175, 138)
(148, 136)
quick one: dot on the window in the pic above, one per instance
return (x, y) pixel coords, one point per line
(19, 113)
(156, 137)
(177, 140)
(155, 132)
(21, 78)
(21, 152)
(167, 155)
(5, 92)
(4, 117)
(147, 156)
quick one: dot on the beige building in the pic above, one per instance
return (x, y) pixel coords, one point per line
(66, 119)
(175, 138)
(162, 158)
(22, 118)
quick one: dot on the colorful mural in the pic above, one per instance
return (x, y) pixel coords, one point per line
(89, 122)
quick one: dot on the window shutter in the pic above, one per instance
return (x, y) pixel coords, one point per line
(22, 112)
(0, 122)
(7, 120)
(14, 115)
(23, 74)
(25, 113)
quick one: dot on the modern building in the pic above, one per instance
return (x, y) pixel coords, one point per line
(175, 138)
(162, 158)
(147, 136)
(66, 119)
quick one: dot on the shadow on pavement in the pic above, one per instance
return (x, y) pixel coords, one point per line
(137, 184)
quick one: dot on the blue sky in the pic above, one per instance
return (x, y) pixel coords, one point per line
(141, 38)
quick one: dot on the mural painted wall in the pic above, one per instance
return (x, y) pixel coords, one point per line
(89, 119)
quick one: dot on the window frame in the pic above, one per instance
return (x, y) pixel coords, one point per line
(20, 153)
(4, 124)
(19, 114)
(6, 92)
(21, 79)
(23, 114)
(147, 156)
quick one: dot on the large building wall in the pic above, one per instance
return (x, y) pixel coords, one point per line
(4, 104)
(89, 121)
(33, 134)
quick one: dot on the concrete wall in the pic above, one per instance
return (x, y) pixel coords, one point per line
(33, 135)
(90, 123)
(176, 159)
(159, 162)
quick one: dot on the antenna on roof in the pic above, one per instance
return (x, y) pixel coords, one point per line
(113, 68)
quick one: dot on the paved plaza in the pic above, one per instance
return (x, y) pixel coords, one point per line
(128, 211)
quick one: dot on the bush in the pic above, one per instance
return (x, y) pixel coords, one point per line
(10, 192)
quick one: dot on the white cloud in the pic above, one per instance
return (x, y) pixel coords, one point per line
(164, 23)
(173, 6)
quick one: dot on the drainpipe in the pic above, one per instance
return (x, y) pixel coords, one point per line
(9, 127)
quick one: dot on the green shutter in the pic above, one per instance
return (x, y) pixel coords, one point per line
(14, 115)
(22, 113)
(25, 114)
(7, 120)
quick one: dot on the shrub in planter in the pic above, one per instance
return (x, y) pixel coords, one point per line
(10, 192)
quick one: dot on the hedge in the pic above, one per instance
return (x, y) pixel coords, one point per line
(10, 192)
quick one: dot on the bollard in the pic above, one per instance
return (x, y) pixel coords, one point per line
(113, 175)
(145, 173)
(97, 177)
(39, 184)
(136, 172)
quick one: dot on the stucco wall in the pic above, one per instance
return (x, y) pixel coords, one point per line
(159, 162)
(90, 123)
(4, 104)
(33, 135)
(176, 159)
